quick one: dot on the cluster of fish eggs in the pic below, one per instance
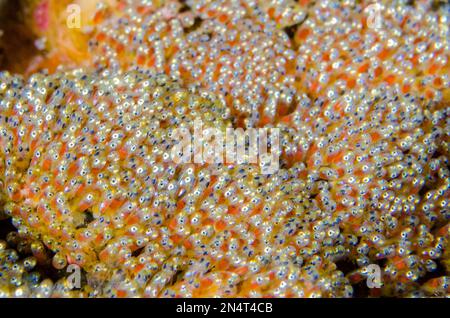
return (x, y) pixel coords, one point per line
(386, 167)
(88, 170)
(23, 265)
(364, 177)
(231, 48)
(342, 48)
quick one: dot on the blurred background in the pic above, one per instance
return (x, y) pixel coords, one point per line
(16, 39)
